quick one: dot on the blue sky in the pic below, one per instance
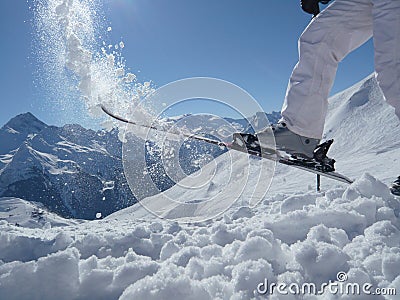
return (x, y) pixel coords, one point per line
(250, 43)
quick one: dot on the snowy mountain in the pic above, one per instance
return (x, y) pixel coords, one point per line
(74, 172)
(347, 236)
(77, 172)
(17, 130)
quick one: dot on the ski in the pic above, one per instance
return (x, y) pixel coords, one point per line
(191, 136)
(265, 153)
(332, 174)
(271, 154)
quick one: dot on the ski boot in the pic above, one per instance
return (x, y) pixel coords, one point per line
(395, 188)
(303, 151)
(292, 143)
(285, 140)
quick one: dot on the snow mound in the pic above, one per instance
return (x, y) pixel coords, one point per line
(307, 237)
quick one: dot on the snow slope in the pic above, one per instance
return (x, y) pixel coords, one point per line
(30, 214)
(295, 235)
(366, 132)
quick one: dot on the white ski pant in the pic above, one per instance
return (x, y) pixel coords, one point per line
(342, 27)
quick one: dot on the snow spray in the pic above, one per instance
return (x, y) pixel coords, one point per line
(75, 58)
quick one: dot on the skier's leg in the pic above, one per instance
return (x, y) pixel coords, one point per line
(340, 28)
(386, 29)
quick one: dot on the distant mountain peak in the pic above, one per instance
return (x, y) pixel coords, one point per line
(23, 123)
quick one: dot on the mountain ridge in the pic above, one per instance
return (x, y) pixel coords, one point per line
(78, 172)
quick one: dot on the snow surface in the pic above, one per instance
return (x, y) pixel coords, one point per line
(30, 214)
(294, 235)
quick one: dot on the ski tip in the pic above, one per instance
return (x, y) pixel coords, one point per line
(104, 109)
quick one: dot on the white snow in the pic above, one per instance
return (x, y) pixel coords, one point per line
(134, 258)
(29, 214)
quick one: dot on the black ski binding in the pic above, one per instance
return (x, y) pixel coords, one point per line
(320, 156)
(319, 162)
(395, 188)
(251, 141)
